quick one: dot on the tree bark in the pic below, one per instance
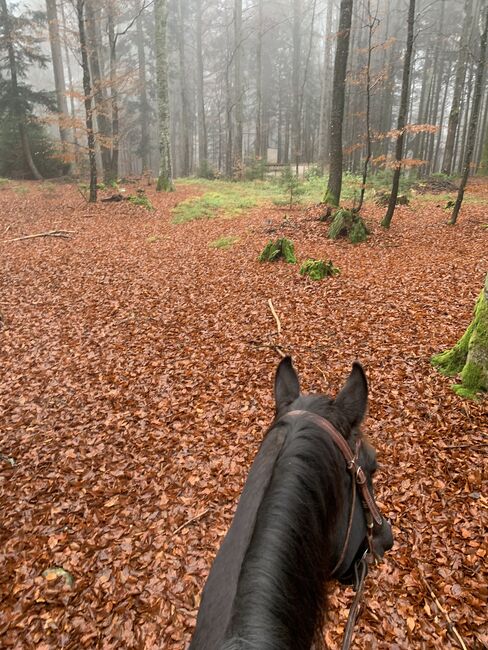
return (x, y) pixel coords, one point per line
(99, 94)
(295, 82)
(238, 89)
(58, 71)
(87, 90)
(402, 117)
(325, 93)
(469, 357)
(185, 112)
(334, 185)
(447, 163)
(113, 171)
(473, 123)
(144, 147)
(165, 178)
(202, 124)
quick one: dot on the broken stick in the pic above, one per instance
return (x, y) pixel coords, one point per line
(450, 624)
(278, 324)
(66, 234)
(191, 521)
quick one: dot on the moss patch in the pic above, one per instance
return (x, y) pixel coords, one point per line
(279, 249)
(347, 223)
(318, 269)
(224, 242)
(469, 357)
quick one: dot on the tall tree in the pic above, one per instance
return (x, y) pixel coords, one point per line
(238, 87)
(144, 108)
(402, 116)
(454, 115)
(334, 186)
(295, 82)
(202, 121)
(17, 99)
(165, 177)
(58, 70)
(87, 90)
(473, 123)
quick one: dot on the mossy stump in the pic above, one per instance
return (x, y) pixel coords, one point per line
(279, 249)
(318, 269)
(347, 223)
(469, 357)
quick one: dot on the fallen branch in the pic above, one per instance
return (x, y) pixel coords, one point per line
(278, 324)
(270, 346)
(450, 625)
(190, 521)
(7, 229)
(66, 234)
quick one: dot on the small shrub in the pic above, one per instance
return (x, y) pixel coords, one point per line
(205, 170)
(141, 199)
(292, 186)
(279, 249)
(255, 169)
(21, 190)
(313, 173)
(318, 269)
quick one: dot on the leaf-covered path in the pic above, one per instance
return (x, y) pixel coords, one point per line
(136, 374)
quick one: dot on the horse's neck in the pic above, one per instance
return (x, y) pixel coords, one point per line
(280, 595)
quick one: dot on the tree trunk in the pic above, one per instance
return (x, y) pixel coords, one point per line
(334, 185)
(101, 105)
(447, 164)
(238, 90)
(144, 147)
(402, 117)
(473, 122)
(295, 82)
(87, 90)
(17, 109)
(469, 357)
(325, 93)
(202, 124)
(258, 152)
(165, 178)
(185, 112)
(58, 71)
(112, 39)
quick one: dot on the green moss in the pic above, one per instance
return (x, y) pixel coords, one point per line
(347, 223)
(141, 199)
(318, 269)
(279, 249)
(469, 357)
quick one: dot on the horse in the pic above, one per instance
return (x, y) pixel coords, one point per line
(298, 523)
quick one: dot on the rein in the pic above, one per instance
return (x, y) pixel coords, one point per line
(371, 513)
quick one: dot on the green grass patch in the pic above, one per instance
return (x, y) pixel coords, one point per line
(279, 249)
(224, 242)
(21, 190)
(141, 200)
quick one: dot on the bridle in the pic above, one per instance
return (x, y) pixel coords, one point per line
(374, 519)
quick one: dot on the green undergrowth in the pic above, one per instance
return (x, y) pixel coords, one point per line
(142, 200)
(318, 269)
(224, 242)
(278, 249)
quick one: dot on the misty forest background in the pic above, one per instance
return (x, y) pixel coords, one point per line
(251, 86)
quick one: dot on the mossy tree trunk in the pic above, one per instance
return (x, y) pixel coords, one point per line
(469, 357)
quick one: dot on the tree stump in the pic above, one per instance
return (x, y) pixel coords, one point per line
(469, 357)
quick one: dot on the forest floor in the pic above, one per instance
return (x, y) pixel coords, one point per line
(136, 373)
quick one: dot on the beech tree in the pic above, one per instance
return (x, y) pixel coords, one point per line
(334, 186)
(402, 117)
(165, 177)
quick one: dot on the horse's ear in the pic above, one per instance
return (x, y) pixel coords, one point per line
(353, 398)
(286, 387)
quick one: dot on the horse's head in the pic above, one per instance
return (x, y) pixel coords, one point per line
(360, 526)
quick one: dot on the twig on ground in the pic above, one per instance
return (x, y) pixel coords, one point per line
(82, 194)
(66, 234)
(7, 229)
(450, 624)
(278, 324)
(190, 521)
(270, 346)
